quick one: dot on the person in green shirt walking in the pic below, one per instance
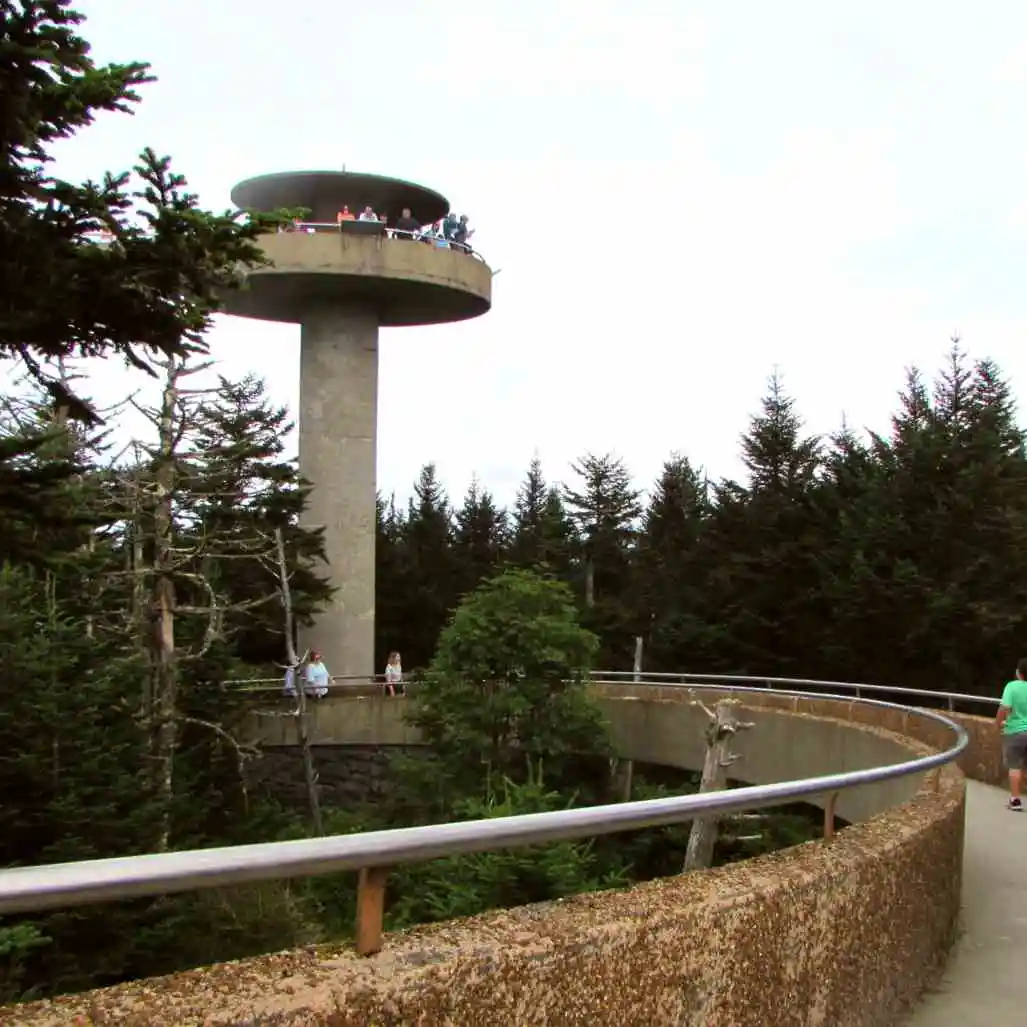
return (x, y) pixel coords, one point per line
(1012, 721)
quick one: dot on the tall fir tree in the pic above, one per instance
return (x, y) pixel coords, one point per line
(543, 536)
(666, 586)
(392, 580)
(151, 283)
(605, 510)
(935, 582)
(762, 548)
(432, 590)
(243, 486)
(778, 457)
(481, 537)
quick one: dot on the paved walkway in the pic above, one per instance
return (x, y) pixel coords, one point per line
(984, 980)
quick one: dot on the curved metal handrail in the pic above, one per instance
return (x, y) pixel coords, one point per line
(339, 681)
(30, 889)
(857, 688)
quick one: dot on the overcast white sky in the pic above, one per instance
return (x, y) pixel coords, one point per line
(681, 194)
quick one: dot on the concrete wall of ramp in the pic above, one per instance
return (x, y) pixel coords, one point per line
(650, 725)
(839, 933)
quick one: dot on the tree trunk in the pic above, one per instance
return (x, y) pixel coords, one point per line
(163, 667)
(720, 731)
(590, 583)
(309, 769)
(140, 613)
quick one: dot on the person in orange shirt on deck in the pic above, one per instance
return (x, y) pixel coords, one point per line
(344, 215)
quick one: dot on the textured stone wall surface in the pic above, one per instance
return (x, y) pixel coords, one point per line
(982, 760)
(839, 933)
(349, 775)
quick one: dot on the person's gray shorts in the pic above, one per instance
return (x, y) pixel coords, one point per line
(1014, 749)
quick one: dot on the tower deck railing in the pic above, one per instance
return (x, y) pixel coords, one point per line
(378, 229)
(382, 231)
(34, 889)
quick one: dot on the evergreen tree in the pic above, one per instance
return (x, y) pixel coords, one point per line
(432, 590)
(528, 517)
(151, 285)
(70, 772)
(392, 580)
(775, 453)
(762, 550)
(242, 487)
(481, 537)
(605, 512)
(40, 510)
(543, 535)
(666, 585)
(936, 582)
(506, 687)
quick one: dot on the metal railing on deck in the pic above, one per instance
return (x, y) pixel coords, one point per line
(730, 680)
(33, 889)
(381, 230)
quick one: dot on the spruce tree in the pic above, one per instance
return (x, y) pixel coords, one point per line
(938, 579)
(762, 550)
(558, 539)
(528, 516)
(481, 537)
(605, 512)
(151, 283)
(433, 568)
(392, 581)
(543, 536)
(70, 772)
(242, 487)
(666, 586)
(775, 453)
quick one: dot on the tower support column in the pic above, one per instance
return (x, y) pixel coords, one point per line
(338, 453)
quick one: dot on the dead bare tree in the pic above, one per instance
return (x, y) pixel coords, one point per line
(720, 731)
(162, 565)
(293, 664)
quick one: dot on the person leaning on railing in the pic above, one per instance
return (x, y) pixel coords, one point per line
(461, 234)
(406, 226)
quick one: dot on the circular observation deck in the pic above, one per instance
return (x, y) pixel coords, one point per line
(406, 281)
(324, 193)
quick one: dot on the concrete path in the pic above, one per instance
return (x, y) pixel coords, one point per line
(984, 983)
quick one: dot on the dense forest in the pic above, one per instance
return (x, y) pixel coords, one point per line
(887, 556)
(147, 552)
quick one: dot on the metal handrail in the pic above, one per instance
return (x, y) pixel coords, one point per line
(323, 227)
(857, 688)
(32, 889)
(663, 677)
(334, 680)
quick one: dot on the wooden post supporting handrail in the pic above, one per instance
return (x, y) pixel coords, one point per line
(370, 910)
(829, 808)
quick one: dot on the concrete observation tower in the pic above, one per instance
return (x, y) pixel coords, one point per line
(342, 282)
